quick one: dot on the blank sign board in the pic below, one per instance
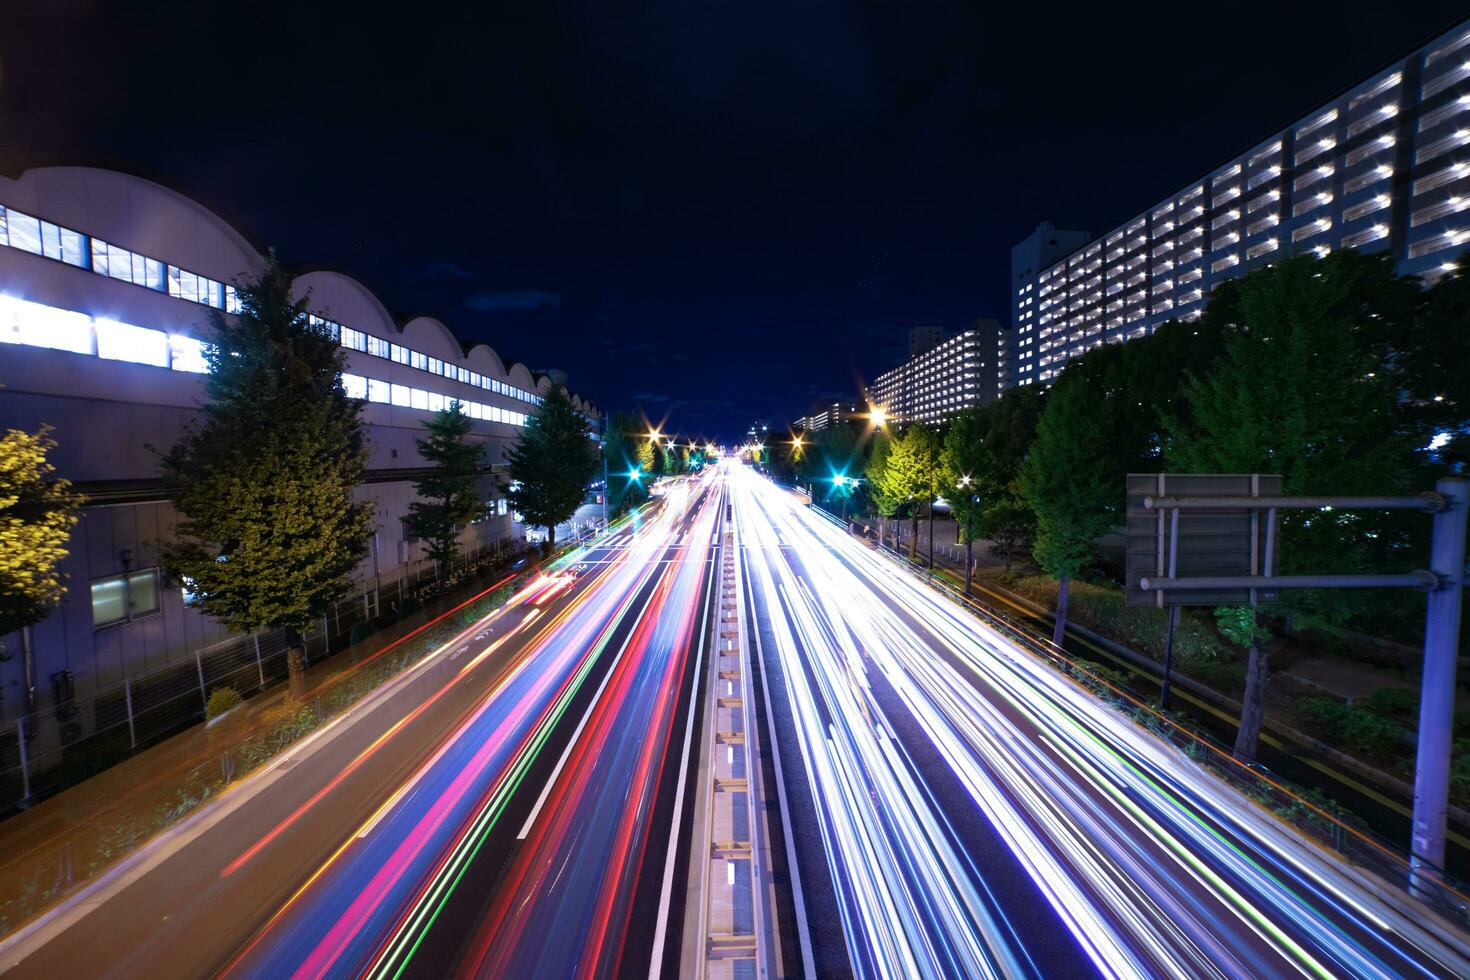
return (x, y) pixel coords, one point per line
(1226, 541)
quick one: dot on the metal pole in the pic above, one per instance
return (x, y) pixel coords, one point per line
(128, 698)
(1437, 699)
(199, 663)
(258, 665)
(1173, 615)
(25, 768)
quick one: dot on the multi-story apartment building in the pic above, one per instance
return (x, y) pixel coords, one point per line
(107, 282)
(823, 417)
(1385, 166)
(1036, 252)
(944, 380)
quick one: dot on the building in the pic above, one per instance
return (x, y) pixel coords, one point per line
(105, 283)
(825, 416)
(1037, 251)
(1385, 166)
(924, 339)
(937, 384)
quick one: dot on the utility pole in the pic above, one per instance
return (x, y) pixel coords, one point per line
(1437, 698)
(606, 487)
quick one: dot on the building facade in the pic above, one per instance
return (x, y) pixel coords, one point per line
(1037, 251)
(107, 282)
(1385, 167)
(934, 386)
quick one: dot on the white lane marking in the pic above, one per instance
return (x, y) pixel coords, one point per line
(666, 890)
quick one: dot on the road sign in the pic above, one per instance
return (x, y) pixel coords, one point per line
(1174, 543)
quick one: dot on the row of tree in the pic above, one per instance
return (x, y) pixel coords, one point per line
(1336, 373)
(266, 480)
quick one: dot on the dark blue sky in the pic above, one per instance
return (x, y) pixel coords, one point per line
(711, 211)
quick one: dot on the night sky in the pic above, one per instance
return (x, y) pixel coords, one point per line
(710, 211)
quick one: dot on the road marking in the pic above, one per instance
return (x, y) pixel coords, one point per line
(660, 935)
(586, 716)
(803, 931)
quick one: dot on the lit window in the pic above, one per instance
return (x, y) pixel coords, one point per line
(124, 342)
(187, 354)
(378, 391)
(355, 385)
(23, 231)
(418, 398)
(401, 396)
(38, 325)
(120, 598)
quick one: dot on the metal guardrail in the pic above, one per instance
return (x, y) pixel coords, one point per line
(44, 751)
(736, 931)
(1357, 845)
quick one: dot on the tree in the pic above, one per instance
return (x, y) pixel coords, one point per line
(448, 496)
(1006, 518)
(962, 456)
(551, 464)
(37, 513)
(264, 479)
(1310, 386)
(879, 476)
(622, 450)
(913, 474)
(1071, 480)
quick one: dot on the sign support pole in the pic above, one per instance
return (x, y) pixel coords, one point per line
(1437, 698)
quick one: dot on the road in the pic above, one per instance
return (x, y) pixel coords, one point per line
(962, 809)
(513, 790)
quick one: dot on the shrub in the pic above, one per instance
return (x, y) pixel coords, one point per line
(1398, 703)
(1355, 727)
(221, 699)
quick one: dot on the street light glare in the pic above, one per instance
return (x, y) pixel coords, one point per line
(878, 416)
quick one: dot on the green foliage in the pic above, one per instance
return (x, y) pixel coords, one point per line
(447, 492)
(264, 481)
(1238, 624)
(37, 513)
(625, 449)
(828, 453)
(221, 699)
(1073, 478)
(912, 470)
(1353, 726)
(877, 472)
(552, 463)
(960, 457)
(1308, 386)
(1399, 704)
(1100, 608)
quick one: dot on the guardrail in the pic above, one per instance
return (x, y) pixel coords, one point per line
(45, 751)
(1357, 845)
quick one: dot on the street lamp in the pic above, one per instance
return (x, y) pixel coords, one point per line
(878, 416)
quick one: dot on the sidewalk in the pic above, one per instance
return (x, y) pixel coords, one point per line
(68, 838)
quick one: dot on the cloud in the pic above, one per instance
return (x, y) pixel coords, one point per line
(442, 269)
(491, 301)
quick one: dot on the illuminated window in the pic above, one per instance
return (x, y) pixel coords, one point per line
(187, 354)
(378, 391)
(121, 598)
(124, 342)
(38, 325)
(355, 385)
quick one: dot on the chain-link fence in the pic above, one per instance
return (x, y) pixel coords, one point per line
(1355, 844)
(46, 750)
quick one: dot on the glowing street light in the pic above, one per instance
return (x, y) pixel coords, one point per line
(878, 416)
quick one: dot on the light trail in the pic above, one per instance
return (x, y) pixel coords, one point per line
(389, 878)
(577, 873)
(1142, 863)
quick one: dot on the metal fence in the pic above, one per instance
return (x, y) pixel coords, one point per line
(57, 746)
(1355, 844)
